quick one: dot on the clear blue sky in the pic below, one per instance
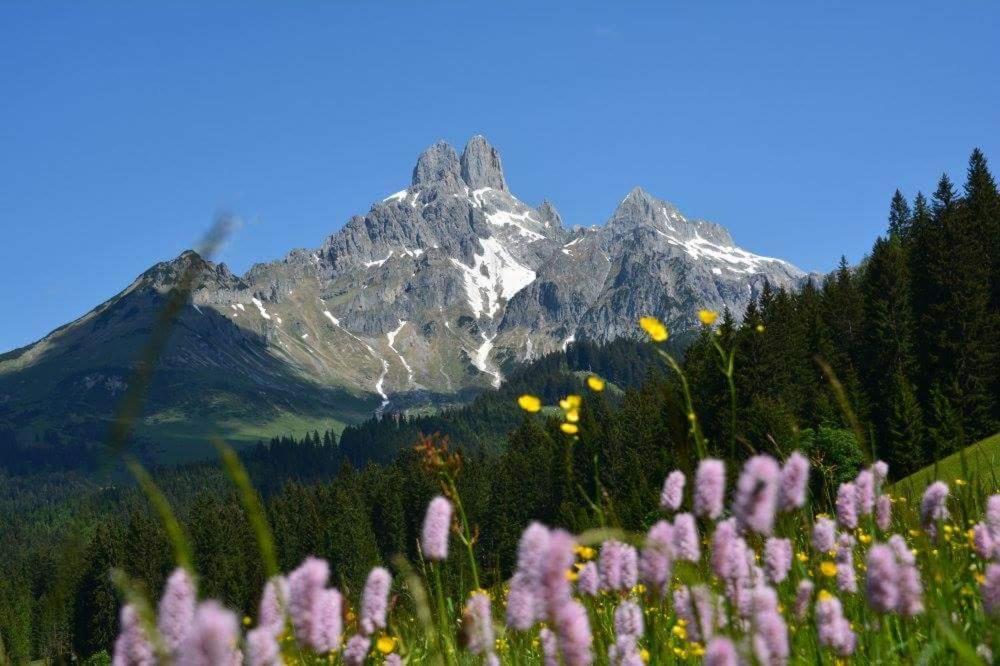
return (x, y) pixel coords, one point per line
(124, 126)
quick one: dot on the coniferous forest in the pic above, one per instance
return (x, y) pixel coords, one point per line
(896, 359)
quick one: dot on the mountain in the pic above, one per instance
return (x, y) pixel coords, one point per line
(431, 296)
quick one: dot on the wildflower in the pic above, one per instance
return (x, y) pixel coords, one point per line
(385, 644)
(982, 541)
(846, 579)
(262, 648)
(595, 383)
(881, 580)
(132, 647)
(757, 494)
(573, 416)
(569, 428)
(707, 317)
(686, 540)
(684, 609)
(618, 565)
(213, 639)
(628, 621)
(993, 515)
(477, 624)
(656, 559)
(305, 585)
(709, 488)
(524, 607)
(375, 600)
(570, 402)
(328, 621)
(991, 590)
(356, 650)
(803, 596)
(437, 523)
(524, 604)
(555, 589)
(834, 630)
(574, 635)
(864, 485)
(777, 559)
(883, 512)
(881, 471)
(721, 652)
(828, 568)
(794, 481)
(273, 605)
(176, 610)
(847, 506)
(589, 581)
(529, 403)
(550, 646)
(654, 328)
(673, 491)
(723, 540)
(705, 606)
(770, 639)
(932, 507)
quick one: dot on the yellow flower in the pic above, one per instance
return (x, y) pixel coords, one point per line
(865, 538)
(960, 482)
(803, 557)
(697, 650)
(679, 631)
(570, 402)
(760, 328)
(529, 403)
(573, 416)
(385, 644)
(569, 428)
(828, 568)
(246, 620)
(595, 383)
(914, 533)
(707, 317)
(571, 575)
(644, 655)
(654, 328)
(585, 552)
(824, 595)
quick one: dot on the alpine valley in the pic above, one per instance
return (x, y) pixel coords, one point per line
(430, 297)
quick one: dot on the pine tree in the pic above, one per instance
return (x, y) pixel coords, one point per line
(899, 216)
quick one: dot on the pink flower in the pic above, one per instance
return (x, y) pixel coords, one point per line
(794, 481)
(777, 559)
(589, 581)
(993, 515)
(803, 597)
(656, 560)
(273, 605)
(721, 652)
(573, 631)
(770, 639)
(709, 488)
(834, 629)
(618, 565)
(305, 586)
(882, 579)
(356, 650)
(757, 494)
(263, 648)
(847, 506)
(437, 523)
(911, 591)
(991, 590)
(686, 539)
(555, 588)
(176, 610)
(477, 624)
(673, 491)
(864, 485)
(213, 639)
(132, 647)
(982, 541)
(375, 600)
(684, 609)
(846, 578)
(328, 622)
(628, 621)
(524, 607)
(550, 646)
(883, 512)
(932, 507)
(824, 536)
(881, 471)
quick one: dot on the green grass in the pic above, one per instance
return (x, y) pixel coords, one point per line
(977, 462)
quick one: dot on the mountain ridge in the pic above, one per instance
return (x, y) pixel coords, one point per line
(433, 294)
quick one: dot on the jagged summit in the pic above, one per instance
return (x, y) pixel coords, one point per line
(438, 165)
(481, 166)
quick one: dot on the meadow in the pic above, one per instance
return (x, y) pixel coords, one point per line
(738, 565)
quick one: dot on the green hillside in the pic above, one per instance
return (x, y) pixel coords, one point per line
(977, 462)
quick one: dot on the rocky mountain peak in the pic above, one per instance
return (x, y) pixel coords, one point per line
(547, 211)
(481, 166)
(438, 165)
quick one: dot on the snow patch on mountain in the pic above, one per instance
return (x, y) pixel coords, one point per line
(494, 275)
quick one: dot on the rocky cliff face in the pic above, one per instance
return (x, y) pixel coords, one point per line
(438, 290)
